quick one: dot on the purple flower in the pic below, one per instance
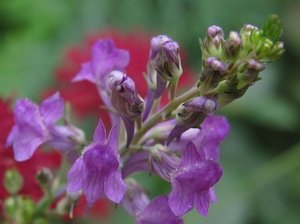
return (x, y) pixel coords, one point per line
(158, 211)
(97, 170)
(35, 125)
(105, 58)
(192, 181)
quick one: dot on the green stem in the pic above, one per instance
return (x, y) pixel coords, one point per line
(162, 114)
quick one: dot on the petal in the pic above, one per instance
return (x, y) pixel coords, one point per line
(60, 138)
(52, 109)
(112, 140)
(11, 137)
(100, 133)
(115, 187)
(191, 156)
(92, 185)
(158, 211)
(176, 132)
(75, 175)
(202, 200)
(181, 198)
(85, 73)
(31, 129)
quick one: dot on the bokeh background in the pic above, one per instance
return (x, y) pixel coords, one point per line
(261, 156)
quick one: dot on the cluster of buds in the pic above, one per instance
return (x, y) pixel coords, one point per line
(177, 141)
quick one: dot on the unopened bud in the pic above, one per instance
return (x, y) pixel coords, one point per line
(163, 162)
(212, 43)
(125, 98)
(13, 181)
(44, 176)
(233, 44)
(165, 57)
(211, 75)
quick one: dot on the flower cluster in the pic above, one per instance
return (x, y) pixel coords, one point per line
(176, 140)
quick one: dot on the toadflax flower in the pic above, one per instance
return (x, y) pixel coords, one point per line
(97, 171)
(35, 125)
(192, 181)
(105, 58)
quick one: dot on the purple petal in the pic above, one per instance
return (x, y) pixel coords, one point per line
(52, 109)
(158, 211)
(92, 186)
(85, 73)
(191, 156)
(115, 187)
(75, 175)
(60, 138)
(12, 135)
(202, 200)
(136, 163)
(31, 129)
(112, 140)
(176, 132)
(181, 198)
(100, 133)
(129, 126)
(214, 129)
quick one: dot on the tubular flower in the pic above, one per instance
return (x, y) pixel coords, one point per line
(105, 58)
(192, 181)
(97, 171)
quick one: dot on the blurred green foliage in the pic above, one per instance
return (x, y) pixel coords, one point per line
(261, 157)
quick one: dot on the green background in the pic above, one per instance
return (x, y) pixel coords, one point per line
(261, 156)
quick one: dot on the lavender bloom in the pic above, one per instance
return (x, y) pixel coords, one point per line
(97, 170)
(192, 181)
(191, 114)
(125, 100)
(35, 125)
(105, 58)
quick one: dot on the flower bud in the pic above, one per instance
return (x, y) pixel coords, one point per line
(13, 181)
(272, 28)
(163, 162)
(211, 75)
(191, 114)
(228, 91)
(166, 59)
(212, 43)
(248, 72)
(245, 34)
(233, 44)
(44, 176)
(125, 98)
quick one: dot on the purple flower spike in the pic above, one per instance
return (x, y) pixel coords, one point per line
(105, 58)
(35, 125)
(158, 211)
(192, 181)
(97, 170)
